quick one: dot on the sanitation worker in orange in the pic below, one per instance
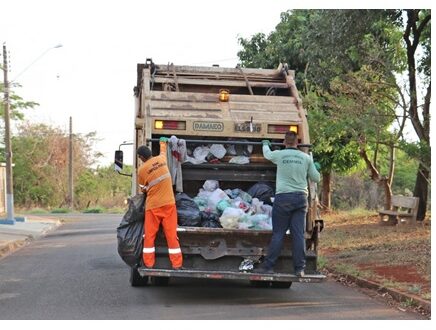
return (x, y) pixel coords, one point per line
(160, 207)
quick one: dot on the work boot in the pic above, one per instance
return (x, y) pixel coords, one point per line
(299, 273)
(263, 270)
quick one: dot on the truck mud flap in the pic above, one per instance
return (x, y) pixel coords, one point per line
(226, 275)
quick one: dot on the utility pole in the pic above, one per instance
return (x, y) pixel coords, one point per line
(70, 167)
(10, 219)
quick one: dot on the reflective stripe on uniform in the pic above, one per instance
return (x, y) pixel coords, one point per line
(155, 181)
(174, 251)
(148, 250)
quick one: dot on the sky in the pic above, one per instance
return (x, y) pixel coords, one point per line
(91, 77)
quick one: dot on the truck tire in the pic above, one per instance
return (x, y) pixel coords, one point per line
(136, 279)
(260, 284)
(160, 280)
(281, 285)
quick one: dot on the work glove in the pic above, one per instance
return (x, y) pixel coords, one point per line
(266, 143)
(317, 166)
(163, 139)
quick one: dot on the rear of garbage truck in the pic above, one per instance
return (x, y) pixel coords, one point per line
(234, 109)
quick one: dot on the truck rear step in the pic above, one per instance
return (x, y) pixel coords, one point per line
(228, 275)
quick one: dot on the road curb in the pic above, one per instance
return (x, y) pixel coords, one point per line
(8, 248)
(12, 246)
(398, 296)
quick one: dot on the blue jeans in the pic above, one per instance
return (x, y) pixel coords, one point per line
(289, 212)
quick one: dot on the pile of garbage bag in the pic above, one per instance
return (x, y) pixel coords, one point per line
(213, 153)
(230, 208)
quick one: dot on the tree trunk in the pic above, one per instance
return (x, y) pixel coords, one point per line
(326, 196)
(421, 191)
(388, 193)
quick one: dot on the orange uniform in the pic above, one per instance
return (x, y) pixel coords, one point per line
(155, 179)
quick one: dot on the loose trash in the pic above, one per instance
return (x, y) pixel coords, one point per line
(229, 209)
(213, 153)
(215, 197)
(131, 230)
(230, 218)
(218, 150)
(210, 185)
(247, 265)
(222, 205)
(239, 160)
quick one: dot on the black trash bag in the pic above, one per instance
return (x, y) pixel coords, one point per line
(188, 213)
(130, 231)
(210, 220)
(262, 191)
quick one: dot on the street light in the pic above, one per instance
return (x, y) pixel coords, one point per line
(10, 218)
(36, 60)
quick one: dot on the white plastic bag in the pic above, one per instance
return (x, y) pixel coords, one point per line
(215, 197)
(211, 185)
(239, 160)
(218, 150)
(230, 218)
(200, 153)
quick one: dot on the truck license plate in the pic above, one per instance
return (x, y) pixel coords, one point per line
(245, 127)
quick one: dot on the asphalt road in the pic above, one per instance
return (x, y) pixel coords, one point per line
(76, 273)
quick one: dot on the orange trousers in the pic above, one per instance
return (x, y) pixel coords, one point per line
(167, 215)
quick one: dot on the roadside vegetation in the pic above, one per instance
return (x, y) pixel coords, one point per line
(398, 257)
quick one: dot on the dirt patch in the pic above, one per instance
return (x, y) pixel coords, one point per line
(395, 257)
(403, 274)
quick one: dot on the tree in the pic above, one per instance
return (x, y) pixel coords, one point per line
(326, 46)
(417, 36)
(366, 104)
(41, 156)
(17, 105)
(101, 186)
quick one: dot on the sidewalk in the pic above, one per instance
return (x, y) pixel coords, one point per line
(15, 236)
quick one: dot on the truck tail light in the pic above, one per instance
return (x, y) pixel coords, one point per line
(224, 95)
(170, 124)
(274, 129)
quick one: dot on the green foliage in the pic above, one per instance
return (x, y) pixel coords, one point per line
(60, 210)
(41, 159)
(344, 61)
(41, 171)
(419, 150)
(334, 146)
(17, 104)
(94, 210)
(37, 211)
(102, 186)
(321, 262)
(405, 173)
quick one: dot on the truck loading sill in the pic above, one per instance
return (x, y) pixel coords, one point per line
(228, 275)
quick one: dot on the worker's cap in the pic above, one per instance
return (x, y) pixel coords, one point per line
(144, 151)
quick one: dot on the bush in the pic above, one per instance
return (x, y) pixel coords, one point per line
(94, 210)
(60, 210)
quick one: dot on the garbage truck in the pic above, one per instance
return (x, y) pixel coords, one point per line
(234, 107)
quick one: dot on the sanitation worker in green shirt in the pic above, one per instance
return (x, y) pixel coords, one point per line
(290, 203)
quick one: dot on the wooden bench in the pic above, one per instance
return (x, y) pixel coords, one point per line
(404, 210)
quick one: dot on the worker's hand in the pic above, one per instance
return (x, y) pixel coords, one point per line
(163, 139)
(317, 166)
(266, 143)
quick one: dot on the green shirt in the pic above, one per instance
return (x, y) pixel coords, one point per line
(293, 169)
